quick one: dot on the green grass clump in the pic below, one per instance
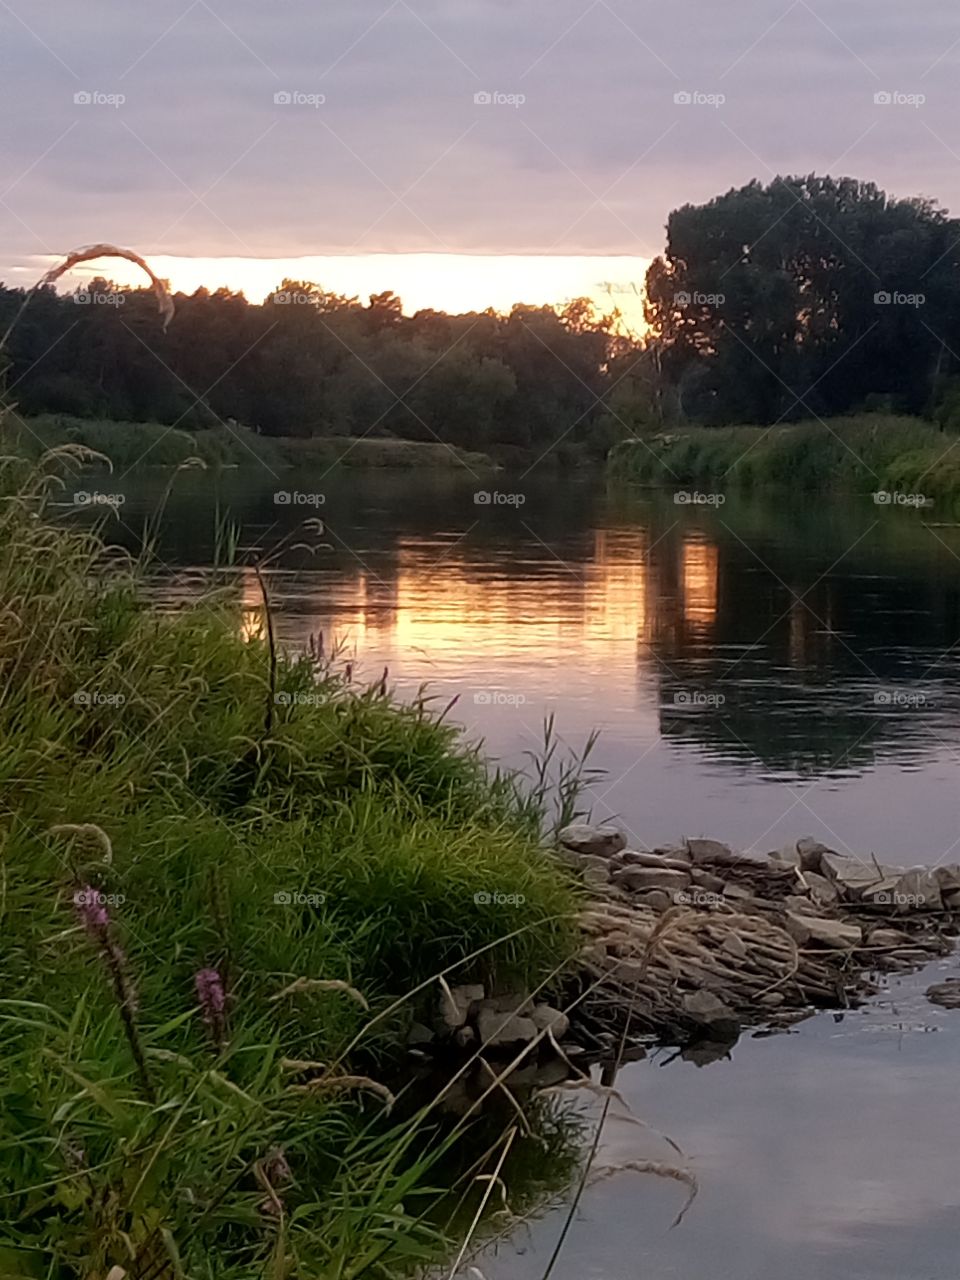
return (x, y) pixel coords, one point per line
(245, 820)
(866, 452)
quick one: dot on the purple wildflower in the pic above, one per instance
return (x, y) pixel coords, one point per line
(91, 908)
(213, 1002)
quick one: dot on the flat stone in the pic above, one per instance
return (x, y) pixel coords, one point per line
(946, 994)
(887, 938)
(789, 855)
(706, 880)
(498, 1029)
(852, 876)
(734, 945)
(581, 837)
(800, 906)
(651, 878)
(656, 899)
(712, 851)
(419, 1035)
(544, 1016)
(708, 1011)
(634, 858)
(826, 933)
(952, 900)
(918, 890)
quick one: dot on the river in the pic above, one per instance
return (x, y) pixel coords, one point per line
(760, 669)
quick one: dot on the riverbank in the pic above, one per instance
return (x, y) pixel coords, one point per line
(138, 445)
(231, 881)
(869, 453)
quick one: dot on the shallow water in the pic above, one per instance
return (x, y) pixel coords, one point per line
(761, 670)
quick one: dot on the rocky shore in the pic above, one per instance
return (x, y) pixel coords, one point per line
(690, 945)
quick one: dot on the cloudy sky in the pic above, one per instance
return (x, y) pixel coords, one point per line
(243, 131)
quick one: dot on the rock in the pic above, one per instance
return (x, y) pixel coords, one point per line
(800, 906)
(852, 876)
(596, 877)
(826, 933)
(734, 945)
(946, 994)
(811, 852)
(498, 1029)
(638, 878)
(656, 899)
(711, 851)
(419, 1035)
(544, 1016)
(887, 938)
(952, 900)
(465, 1037)
(633, 858)
(771, 999)
(601, 841)
(705, 880)
(948, 878)
(789, 855)
(821, 889)
(455, 1007)
(709, 1012)
(918, 889)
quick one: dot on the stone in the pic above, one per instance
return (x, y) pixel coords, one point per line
(656, 899)
(465, 1037)
(948, 878)
(498, 1029)
(887, 938)
(638, 878)
(596, 877)
(810, 852)
(419, 1035)
(455, 1007)
(633, 858)
(711, 851)
(919, 890)
(544, 1016)
(852, 876)
(800, 906)
(771, 999)
(581, 837)
(705, 880)
(789, 855)
(734, 945)
(709, 1012)
(821, 889)
(946, 994)
(952, 900)
(826, 933)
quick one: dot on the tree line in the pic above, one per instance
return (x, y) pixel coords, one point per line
(805, 297)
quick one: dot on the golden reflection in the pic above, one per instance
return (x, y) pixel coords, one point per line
(698, 576)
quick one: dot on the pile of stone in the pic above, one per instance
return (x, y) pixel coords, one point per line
(699, 939)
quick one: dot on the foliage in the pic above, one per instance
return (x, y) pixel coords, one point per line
(190, 824)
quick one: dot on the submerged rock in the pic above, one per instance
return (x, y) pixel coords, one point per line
(498, 1030)
(946, 994)
(709, 1012)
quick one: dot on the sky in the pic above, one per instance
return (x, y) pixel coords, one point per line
(464, 153)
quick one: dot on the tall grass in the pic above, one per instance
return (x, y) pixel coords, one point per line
(869, 452)
(222, 870)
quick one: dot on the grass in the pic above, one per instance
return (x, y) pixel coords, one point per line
(870, 452)
(190, 824)
(133, 445)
